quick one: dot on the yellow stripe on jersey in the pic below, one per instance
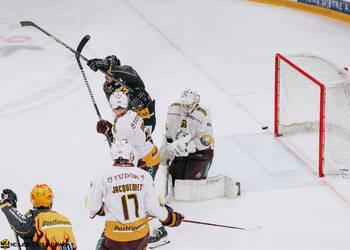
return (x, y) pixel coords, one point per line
(121, 71)
(3, 205)
(118, 231)
(14, 229)
(152, 158)
(204, 112)
(143, 113)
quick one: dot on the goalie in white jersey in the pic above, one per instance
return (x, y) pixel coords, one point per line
(129, 126)
(124, 194)
(189, 139)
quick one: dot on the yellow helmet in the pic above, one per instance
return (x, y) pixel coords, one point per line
(41, 196)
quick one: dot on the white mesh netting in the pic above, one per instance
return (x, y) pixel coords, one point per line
(299, 106)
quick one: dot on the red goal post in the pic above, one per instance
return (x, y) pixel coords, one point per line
(313, 95)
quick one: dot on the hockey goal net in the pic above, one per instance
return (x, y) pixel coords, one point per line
(312, 96)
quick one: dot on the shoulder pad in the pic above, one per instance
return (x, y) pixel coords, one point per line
(200, 109)
(175, 104)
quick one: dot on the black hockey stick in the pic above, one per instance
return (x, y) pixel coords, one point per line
(218, 225)
(30, 23)
(77, 56)
(17, 240)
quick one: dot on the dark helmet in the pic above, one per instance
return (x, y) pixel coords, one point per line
(113, 59)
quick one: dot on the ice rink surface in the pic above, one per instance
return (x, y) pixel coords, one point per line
(222, 48)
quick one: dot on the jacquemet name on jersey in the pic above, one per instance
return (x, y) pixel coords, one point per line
(127, 187)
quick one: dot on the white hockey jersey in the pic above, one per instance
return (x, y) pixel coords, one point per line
(198, 124)
(127, 193)
(129, 126)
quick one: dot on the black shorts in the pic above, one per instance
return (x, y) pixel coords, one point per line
(193, 167)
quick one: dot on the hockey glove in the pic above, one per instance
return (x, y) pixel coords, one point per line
(103, 126)
(182, 147)
(174, 219)
(100, 212)
(96, 64)
(9, 196)
(141, 164)
(188, 147)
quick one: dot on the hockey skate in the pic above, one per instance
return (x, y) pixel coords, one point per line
(158, 238)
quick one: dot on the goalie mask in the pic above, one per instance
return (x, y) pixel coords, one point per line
(189, 100)
(122, 153)
(118, 100)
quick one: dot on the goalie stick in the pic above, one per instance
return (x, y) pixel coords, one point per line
(31, 24)
(77, 56)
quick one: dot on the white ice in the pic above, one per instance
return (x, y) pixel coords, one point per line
(222, 48)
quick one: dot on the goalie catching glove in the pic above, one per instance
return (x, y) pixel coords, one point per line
(174, 219)
(182, 147)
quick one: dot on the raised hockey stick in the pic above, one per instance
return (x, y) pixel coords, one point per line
(17, 240)
(218, 225)
(30, 23)
(77, 56)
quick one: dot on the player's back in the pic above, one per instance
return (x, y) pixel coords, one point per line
(130, 127)
(128, 190)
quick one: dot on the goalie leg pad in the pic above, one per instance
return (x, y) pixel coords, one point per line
(197, 190)
(169, 197)
(232, 188)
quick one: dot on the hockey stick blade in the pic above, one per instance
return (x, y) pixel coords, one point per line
(27, 23)
(81, 46)
(30, 23)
